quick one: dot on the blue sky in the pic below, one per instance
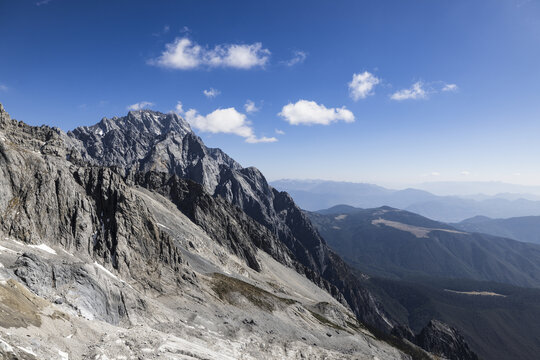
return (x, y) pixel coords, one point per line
(70, 63)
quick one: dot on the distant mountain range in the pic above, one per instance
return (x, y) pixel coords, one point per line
(423, 269)
(399, 244)
(315, 195)
(526, 228)
(472, 188)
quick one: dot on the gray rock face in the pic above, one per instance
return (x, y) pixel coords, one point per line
(80, 192)
(182, 153)
(74, 285)
(443, 340)
(84, 209)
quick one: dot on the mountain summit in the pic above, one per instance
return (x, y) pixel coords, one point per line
(167, 247)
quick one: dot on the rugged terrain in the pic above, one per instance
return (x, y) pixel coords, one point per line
(399, 244)
(423, 270)
(132, 239)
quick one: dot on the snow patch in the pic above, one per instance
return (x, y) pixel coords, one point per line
(17, 242)
(44, 248)
(5, 346)
(28, 351)
(70, 254)
(102, 268)
(7, 250)
(63, 355)
(163, 226)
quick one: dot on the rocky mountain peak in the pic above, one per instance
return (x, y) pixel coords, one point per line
(442, 339)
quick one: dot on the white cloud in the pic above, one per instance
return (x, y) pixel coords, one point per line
(264, 139)
(361, 85)
(179, 108)
(250, 107)
(415, 92)
(450, 88)
(280, 132)
(305, 112)
(181, 54)
(298, 58)
(184, 54)
(228, 121)
(465, 173)
(435, 173)
(140, 105)
(3, 87)
(211, 93)
(43, 2)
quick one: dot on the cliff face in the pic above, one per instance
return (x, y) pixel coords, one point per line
(441, 339)
(146, 141)
(84, 209)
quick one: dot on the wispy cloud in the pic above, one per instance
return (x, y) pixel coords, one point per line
(305, 112)
(280, 132)
(297, 58)
(140, 105)
(3, 87)
(450, 88)
(250, 107)
(227, 121)
(184, 54)
(211, 93)
(465, 173)
(416, 91)
(163, 31)
(43, 2)
(263, 139)
(362, 85)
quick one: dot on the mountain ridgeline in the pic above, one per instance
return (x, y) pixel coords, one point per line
(149, 217)
(486, 286)
(399, 244)
(315, 195)
(146, 141)
(525, 228)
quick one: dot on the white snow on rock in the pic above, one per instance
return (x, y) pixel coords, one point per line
(102, 268)
(5, 346)
(163, 226)
(44, 248)
(28, 351)
(7, 250)
(63, 355)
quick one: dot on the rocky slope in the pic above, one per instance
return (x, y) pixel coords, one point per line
(140, 142)
(168, 249)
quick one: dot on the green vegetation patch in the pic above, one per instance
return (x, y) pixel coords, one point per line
(225, 287)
